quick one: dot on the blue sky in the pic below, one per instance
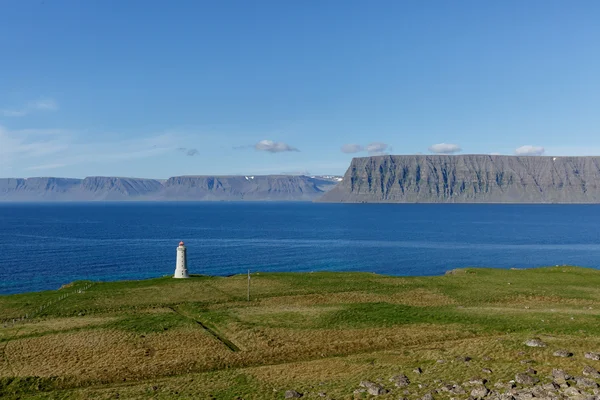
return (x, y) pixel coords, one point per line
(163, 88)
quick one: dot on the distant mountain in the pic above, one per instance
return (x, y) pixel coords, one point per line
(469, 179)
(183, 188)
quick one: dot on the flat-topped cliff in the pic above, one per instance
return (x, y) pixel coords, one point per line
(469, 179)
(185, 188)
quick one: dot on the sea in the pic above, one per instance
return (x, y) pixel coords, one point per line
(46, 245)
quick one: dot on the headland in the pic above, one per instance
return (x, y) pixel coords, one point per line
(478, 332)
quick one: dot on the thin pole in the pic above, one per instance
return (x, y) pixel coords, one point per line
(248, 285)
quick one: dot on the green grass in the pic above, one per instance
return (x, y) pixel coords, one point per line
(201, 338)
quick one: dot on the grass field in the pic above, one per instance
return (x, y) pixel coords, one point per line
(313, 332)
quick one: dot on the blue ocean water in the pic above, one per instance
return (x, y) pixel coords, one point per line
(43, 246)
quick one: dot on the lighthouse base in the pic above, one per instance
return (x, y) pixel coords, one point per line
(181, 275)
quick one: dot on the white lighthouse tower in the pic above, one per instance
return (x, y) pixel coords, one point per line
(181, 270)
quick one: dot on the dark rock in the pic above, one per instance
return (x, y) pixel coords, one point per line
(292, 394)
(535, 342)
(463, 359)
(525, 379)
(562, 353)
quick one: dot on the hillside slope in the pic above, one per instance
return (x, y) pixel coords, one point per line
(184, 188)
(469, 179)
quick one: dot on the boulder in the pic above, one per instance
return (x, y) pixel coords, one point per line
(486, 370)
(590, 371)
(561, 374)
(562, 353)
(525, 379)
(400, 380)
(572, 392)
(292, 394)
(479, 392)
(428, 396)
(373, 388)
(585, 382)
(418, 371)
(535, 342)
(524, 396)
(506, 396)
(592, 356)
(550, 386)
(477, 381)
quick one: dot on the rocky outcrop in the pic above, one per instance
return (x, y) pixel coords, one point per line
(188, 188)
(469, 179)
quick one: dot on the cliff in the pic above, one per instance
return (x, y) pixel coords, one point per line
(186, 188)
(469, 179)
(266, 187)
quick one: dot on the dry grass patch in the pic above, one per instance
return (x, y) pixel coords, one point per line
(291, 344)
(330, 369)
(40, 327)
(113, 354)
(421, 298)
(537, 308)
(415, 297)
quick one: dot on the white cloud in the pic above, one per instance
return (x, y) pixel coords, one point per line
(352, 148)
(529, 150)
(374, 148)
(273, 147)
(444, 148)
(377, 147)
(44, 104)
(45, 166)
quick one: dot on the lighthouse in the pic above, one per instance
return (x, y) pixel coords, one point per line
(181, 270)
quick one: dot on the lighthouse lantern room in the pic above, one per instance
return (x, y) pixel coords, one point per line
(181, 270)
